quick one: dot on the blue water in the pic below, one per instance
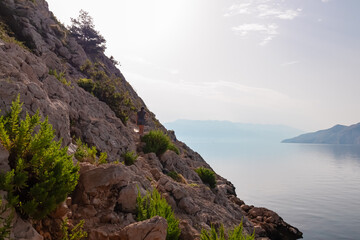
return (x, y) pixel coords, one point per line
(315, 188)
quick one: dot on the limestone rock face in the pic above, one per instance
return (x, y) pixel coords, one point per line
(106, 194)
(70, 110)
(269, 223)
(151, 229)
(106, 197)
(23, 230)
(173, 162)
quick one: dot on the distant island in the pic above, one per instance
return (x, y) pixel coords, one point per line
(339, 134)
(226, 131)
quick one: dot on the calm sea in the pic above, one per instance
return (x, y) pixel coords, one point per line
(313, 187)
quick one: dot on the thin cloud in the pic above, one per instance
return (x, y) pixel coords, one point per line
(266, 40)
(243, 8)
(244, 29)
(263, 8)
(238, 94)
(289, 63)
(211, 97)
(268, 31)
(219, 92)
(146, 62)
(258, 11)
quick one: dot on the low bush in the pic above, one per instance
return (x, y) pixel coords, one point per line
(76, 233)
(194, 185)
(87, 84)
(8, 36)
(5, 220)
(42, 172)
(174, 175)
(60, 77)
(173, 148)
(152, 204)
(84, 153)
(107, 89)
(236, 234)
(129, 158)
(102, 158)
(207, 176)
(157, 142)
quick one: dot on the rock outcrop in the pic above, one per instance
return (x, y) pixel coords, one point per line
(152, 229)
(106, 194)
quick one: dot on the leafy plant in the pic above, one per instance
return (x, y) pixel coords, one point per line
(157, 142)
(7, 35)
(102, 158)
(152, 204)
(76, 233)
(194, 185)
(173, 148)
(84, 153)
(236, 234)
(174, 175)
(129, 158)
(5, 221)
(42, 172)
(60, 77)
(87, 84)
(207, 176)
(105, 89)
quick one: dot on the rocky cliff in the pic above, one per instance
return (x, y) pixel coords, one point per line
(338, 134)
(32, 46)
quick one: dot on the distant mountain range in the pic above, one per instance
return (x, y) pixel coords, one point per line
(339, 134)
(226, 131)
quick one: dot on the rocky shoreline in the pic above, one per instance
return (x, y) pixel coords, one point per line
(106, 194)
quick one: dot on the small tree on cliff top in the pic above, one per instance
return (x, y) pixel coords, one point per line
(83, 30)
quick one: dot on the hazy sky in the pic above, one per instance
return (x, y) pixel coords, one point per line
(292, 62)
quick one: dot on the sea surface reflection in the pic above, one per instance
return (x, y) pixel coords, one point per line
(313, 187)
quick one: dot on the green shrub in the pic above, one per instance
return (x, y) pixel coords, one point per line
(84, 153)
(106, 89)
(5, 221)
(154, 205)
(60, 77)
(174, 175)
(177, 177)
(42, 172)
(8, 36)
(194, 185)
(76, 233)
(87, 84)
(207, 176)
(157, 142)
(236, 234)
(129, 158)
(102, 158)
(173, 148)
